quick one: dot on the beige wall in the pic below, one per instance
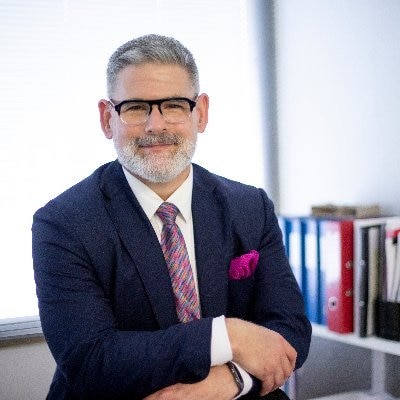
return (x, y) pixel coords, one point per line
(26, 369)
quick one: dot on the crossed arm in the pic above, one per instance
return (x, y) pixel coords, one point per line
(96, 356)
(262, 352)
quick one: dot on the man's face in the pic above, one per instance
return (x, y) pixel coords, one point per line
(155, 151)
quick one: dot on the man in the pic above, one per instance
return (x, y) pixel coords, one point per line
(136, 306)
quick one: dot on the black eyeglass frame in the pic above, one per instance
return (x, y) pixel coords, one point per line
(158, 102)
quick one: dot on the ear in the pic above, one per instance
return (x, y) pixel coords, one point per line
(202, 112)
(105, 117)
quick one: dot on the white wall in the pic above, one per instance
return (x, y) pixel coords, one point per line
(338, 124)
(26, 369)
(338, 101)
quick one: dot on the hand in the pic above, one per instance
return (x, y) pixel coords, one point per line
(262, 352)
(219, 385)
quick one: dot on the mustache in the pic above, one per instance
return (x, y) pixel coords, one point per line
(165, 138)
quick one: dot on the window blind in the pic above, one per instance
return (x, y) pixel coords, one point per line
(52, 73)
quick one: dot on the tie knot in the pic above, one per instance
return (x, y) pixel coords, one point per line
(167, 212)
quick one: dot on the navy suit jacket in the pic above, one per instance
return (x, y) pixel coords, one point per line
(105, 298)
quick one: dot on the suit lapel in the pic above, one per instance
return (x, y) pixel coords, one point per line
(211, 227)
(141, 242)
(211, 238)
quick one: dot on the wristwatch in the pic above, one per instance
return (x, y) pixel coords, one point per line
(236, 376)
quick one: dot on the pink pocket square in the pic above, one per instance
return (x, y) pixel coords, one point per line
(244, 266)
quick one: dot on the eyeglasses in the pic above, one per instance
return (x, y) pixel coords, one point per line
(175, 110)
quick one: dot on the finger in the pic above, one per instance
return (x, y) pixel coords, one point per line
(279, 378)
(267, 385)
(291, 353)
(287, 368)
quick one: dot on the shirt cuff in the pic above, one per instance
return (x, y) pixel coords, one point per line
(221, 351)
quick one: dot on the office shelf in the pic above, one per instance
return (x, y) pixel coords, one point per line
(356, 396)
(372, 342)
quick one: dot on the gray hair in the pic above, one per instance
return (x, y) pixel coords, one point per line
(151, 49)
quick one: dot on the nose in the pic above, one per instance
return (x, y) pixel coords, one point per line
(155, 121)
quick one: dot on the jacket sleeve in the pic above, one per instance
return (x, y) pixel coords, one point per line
(272, 297)
(280, 304)
(96, 359)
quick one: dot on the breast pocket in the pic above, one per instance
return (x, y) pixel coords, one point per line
(240, 297)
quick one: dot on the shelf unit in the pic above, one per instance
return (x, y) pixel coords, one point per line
(356, 396)
(371, 342)
(378, 346)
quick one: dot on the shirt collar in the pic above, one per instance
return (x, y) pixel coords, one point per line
(150, 201)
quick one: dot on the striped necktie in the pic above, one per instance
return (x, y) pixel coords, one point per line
(177, 259)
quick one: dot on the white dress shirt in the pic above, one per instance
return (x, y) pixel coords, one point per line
(221, 351)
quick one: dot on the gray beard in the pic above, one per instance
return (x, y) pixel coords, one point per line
(157, 168)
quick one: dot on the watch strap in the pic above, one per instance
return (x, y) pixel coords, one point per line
(236, 376)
